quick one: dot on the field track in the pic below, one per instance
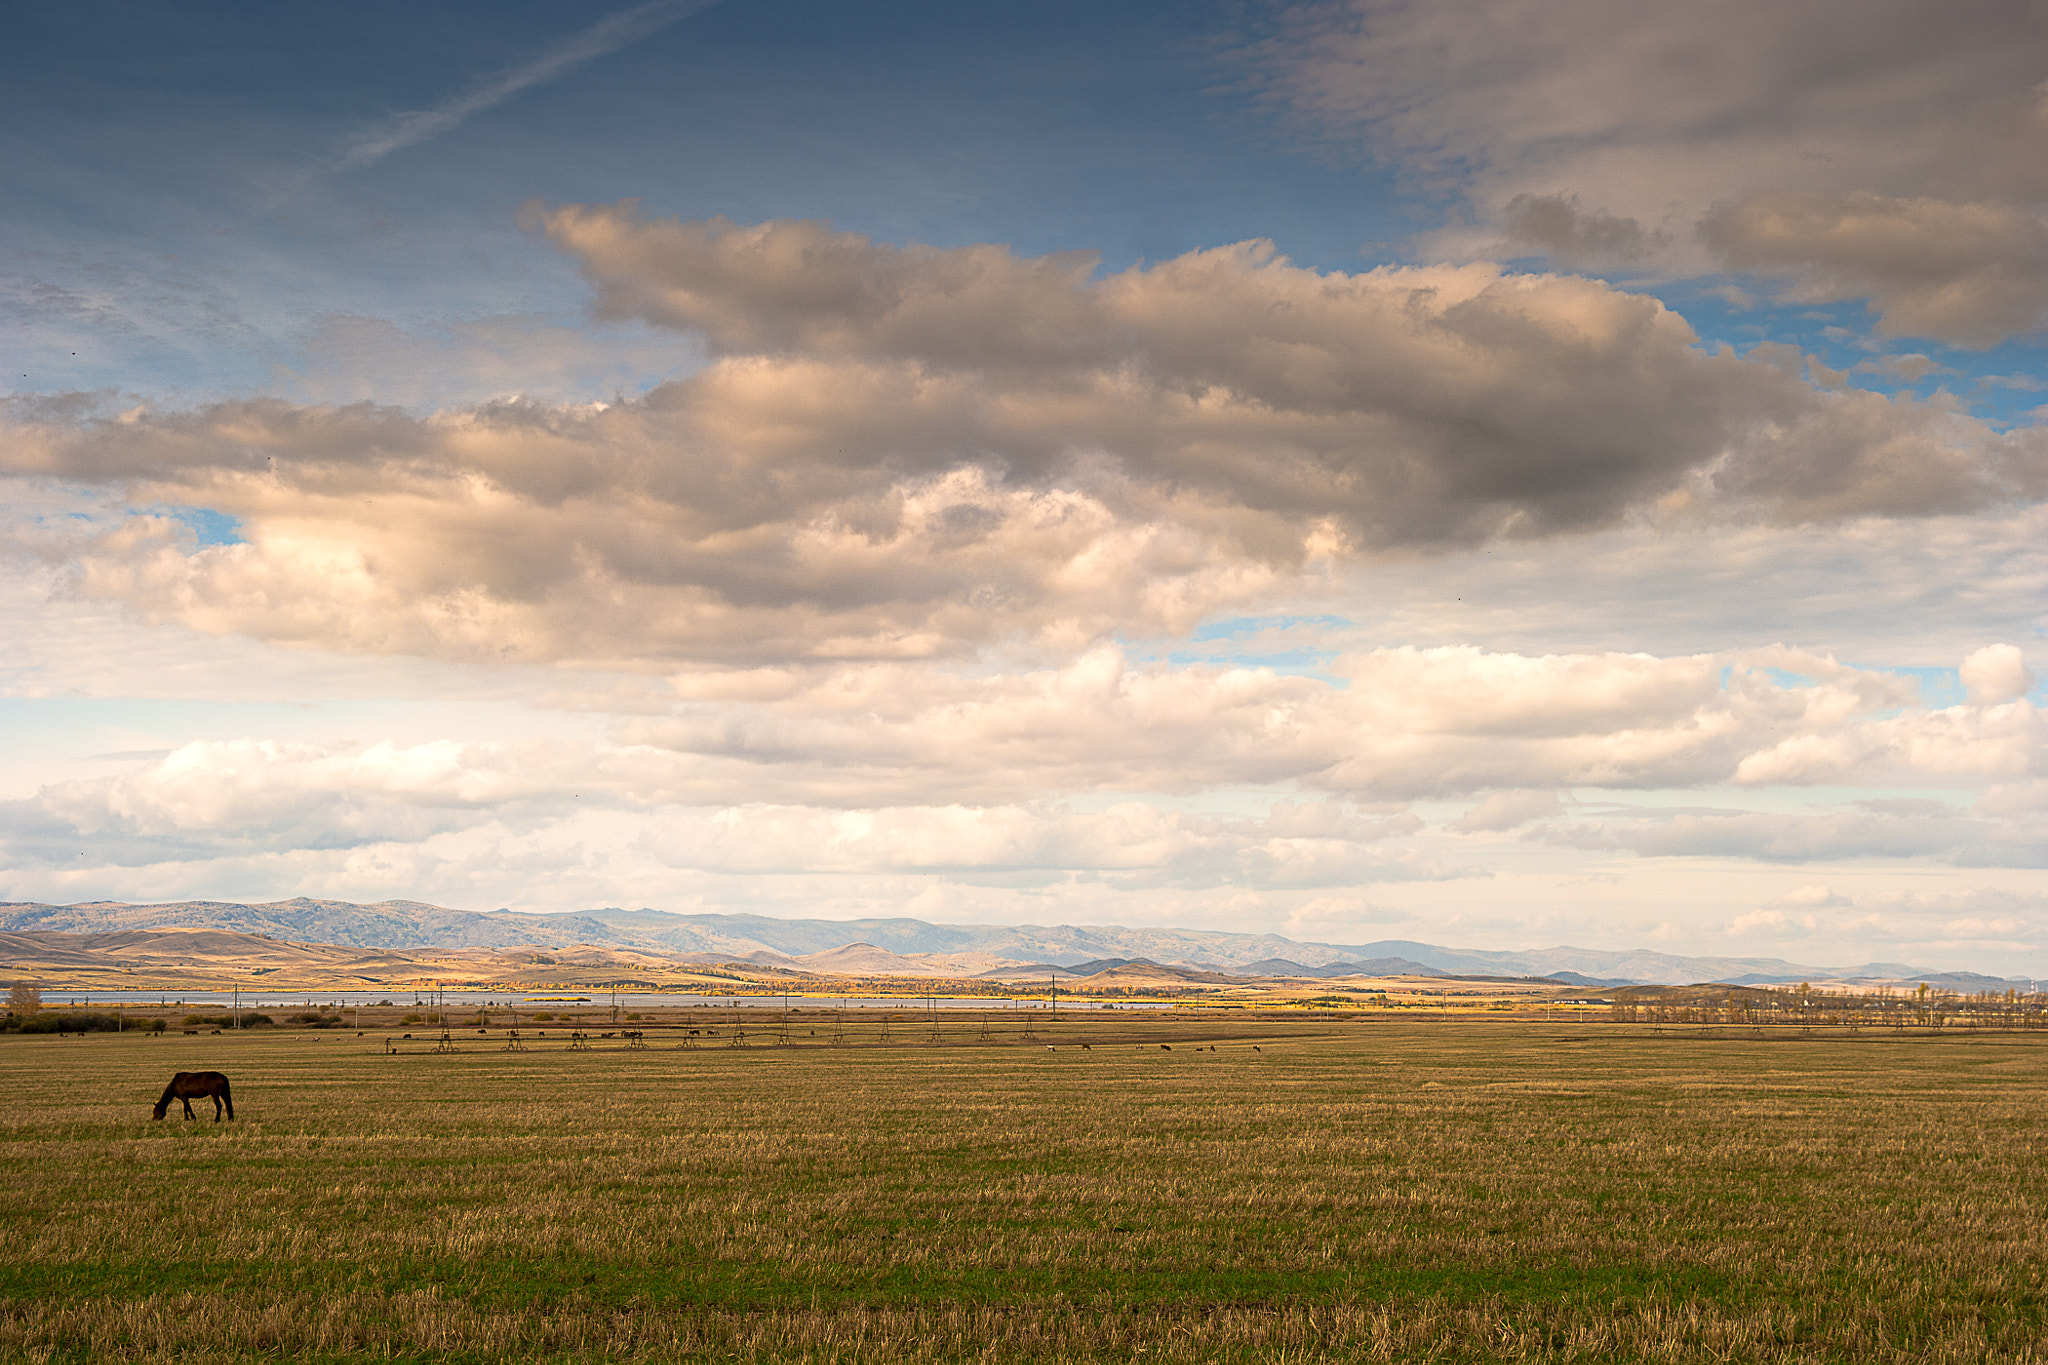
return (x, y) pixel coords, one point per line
(1389, 1189)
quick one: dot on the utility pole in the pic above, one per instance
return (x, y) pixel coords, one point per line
(238, 1007)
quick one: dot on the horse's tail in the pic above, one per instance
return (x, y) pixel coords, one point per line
(226, 1097)
(163, 1103)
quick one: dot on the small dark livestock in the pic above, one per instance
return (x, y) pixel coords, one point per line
(188, 1086)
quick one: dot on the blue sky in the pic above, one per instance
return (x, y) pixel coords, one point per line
(837, 460)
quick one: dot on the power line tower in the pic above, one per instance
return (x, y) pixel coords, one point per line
(447, 1041)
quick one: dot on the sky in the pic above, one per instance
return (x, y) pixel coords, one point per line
(1489, 472)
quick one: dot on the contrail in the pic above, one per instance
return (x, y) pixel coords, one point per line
(609, 35)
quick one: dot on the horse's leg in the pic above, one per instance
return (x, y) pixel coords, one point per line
(216, 1108)
(228, 1098)
(186, 1100)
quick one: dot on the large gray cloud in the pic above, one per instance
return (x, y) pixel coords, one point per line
(909, 452)
(1896, 152)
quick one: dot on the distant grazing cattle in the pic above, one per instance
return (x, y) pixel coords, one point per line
(188, 1086)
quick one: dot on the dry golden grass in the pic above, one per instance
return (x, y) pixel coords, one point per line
(1368, 1189)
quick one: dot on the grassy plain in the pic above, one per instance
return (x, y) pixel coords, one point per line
(1364, 1189)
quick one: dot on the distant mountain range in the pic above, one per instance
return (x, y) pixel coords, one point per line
(757, 938)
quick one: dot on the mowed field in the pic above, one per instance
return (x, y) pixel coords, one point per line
(1367, 1189)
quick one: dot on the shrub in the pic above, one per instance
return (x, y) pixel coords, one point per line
(250, 1019)
(410, 1019)
(634, 1014)
(158, 1025)
(52, 1021)
(545, 1014)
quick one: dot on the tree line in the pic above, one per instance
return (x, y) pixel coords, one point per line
(1922, 1006)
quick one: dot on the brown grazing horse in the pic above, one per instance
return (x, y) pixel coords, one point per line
(188, 1086)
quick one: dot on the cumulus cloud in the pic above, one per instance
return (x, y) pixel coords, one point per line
(1572, 236)
(1892, 152)
(907, 452)
(1507, 810)
(1974, 274)
(1394, 726)
(1078, 774)
(215, 799)
(1772, 923)
(1918, 926)
(1996, 674)
(1998, 736)
(1812, 898)
(1881, 830)
(1922, 829)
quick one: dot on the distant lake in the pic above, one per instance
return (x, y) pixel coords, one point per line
(258, 998)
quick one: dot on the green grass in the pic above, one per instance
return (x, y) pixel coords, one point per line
(1376, 1189)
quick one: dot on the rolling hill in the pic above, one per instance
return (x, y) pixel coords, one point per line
(915, 947)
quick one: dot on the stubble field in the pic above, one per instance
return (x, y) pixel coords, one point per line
(1351, 1190)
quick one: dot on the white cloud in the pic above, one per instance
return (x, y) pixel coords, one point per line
(1773, 923)
(1503, 811)
(1891, 830)
(1997, 736)
(1812, 898)
(1996, 674)
(890, 768)
(1397, 724)
(209, 800)
(1981, 925)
